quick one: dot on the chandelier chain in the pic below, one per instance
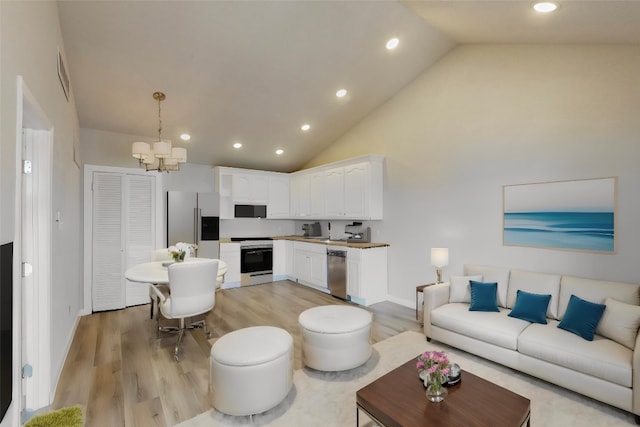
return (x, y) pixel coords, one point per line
(159, 96)
(159, 120)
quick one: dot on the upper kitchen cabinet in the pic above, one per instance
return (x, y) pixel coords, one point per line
(363, 191)
(300, 195)
(334, 195)
(252, 187)
(278, 204)
(349, 189)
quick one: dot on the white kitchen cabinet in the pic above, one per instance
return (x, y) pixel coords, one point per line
(278, 205)
(363, 190)
(356, 190)
(310, 264)
(334, 192)
(230, 254)
(224, 184)
(250, 188)
(283, 260)
(300, 195)
(367, 275)
(316, 195)
(348, 189)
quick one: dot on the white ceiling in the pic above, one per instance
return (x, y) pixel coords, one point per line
(255, 71)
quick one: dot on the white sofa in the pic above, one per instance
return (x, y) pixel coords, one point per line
(603, 369)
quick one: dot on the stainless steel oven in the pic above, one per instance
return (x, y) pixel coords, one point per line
(256, 262)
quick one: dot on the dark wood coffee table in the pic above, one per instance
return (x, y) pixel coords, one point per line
(398, 399)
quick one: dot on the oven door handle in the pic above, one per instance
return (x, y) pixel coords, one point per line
(256, 252)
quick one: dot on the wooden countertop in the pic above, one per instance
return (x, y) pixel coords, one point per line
(356, 245)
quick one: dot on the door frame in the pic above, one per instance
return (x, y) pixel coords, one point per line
(33, 294)
(88, 220)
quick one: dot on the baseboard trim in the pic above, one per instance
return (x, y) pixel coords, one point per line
(56, 378)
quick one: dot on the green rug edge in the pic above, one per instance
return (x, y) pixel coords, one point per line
(70, 416)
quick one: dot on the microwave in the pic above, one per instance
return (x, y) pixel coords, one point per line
(250, 211)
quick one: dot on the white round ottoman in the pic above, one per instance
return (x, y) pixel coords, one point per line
(250, 370)
(335, 337)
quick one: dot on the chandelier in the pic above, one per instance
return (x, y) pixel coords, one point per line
(159, 157)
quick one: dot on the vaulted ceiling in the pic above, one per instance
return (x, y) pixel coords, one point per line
(255, 71)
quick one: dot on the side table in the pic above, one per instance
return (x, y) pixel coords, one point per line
(419, 289)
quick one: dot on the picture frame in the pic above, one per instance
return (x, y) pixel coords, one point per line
(574, 215)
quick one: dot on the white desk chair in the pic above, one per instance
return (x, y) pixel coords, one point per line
(192, 287)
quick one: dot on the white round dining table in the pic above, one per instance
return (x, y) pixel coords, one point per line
(156, 271)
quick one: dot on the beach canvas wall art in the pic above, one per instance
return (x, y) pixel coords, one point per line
(572, 215)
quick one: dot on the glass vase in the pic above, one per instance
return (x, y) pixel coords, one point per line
(436, 392)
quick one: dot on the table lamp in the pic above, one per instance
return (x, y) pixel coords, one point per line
(439, 259)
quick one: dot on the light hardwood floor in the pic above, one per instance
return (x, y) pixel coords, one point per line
(123, 376)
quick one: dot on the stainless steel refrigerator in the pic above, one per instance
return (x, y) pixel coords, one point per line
(194, 218)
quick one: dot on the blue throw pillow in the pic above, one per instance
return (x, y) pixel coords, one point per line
(582, 317)
(531, 307)
(483, 296)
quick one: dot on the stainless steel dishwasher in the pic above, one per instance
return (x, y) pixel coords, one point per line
(337, 272)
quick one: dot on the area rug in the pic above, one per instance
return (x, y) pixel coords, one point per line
(65, 417)
(329, 398)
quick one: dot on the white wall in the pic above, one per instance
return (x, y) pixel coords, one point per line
(99, 147)
(29, 38)
(488, 116)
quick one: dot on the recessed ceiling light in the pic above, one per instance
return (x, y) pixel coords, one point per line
(341, 93)
(237, 145)
(305, 127)
(545, 6)
(185, 137)
(279, 151)
(392, 43)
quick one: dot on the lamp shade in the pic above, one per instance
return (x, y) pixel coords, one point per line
(170, 161)
(149, 158)
(140, 149)
(162, 149)
(440, 257)
(179, 154)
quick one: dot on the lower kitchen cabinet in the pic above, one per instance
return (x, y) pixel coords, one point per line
(283, 260)
(230, 254)
(310, 264)
(367, 275)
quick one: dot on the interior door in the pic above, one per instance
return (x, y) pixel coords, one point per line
(123, 236)
(108, 235)
(140, 228)
(36, 266)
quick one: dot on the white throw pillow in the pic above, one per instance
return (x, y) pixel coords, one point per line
(459, 289)
(620, 322)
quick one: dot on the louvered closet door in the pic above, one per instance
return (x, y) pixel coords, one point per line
(108, 234)
(123, 236)
(140, 232)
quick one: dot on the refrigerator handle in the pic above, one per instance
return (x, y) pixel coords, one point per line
(197, 224)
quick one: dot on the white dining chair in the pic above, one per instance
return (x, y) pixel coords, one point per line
(192, 291)
(158, 255)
